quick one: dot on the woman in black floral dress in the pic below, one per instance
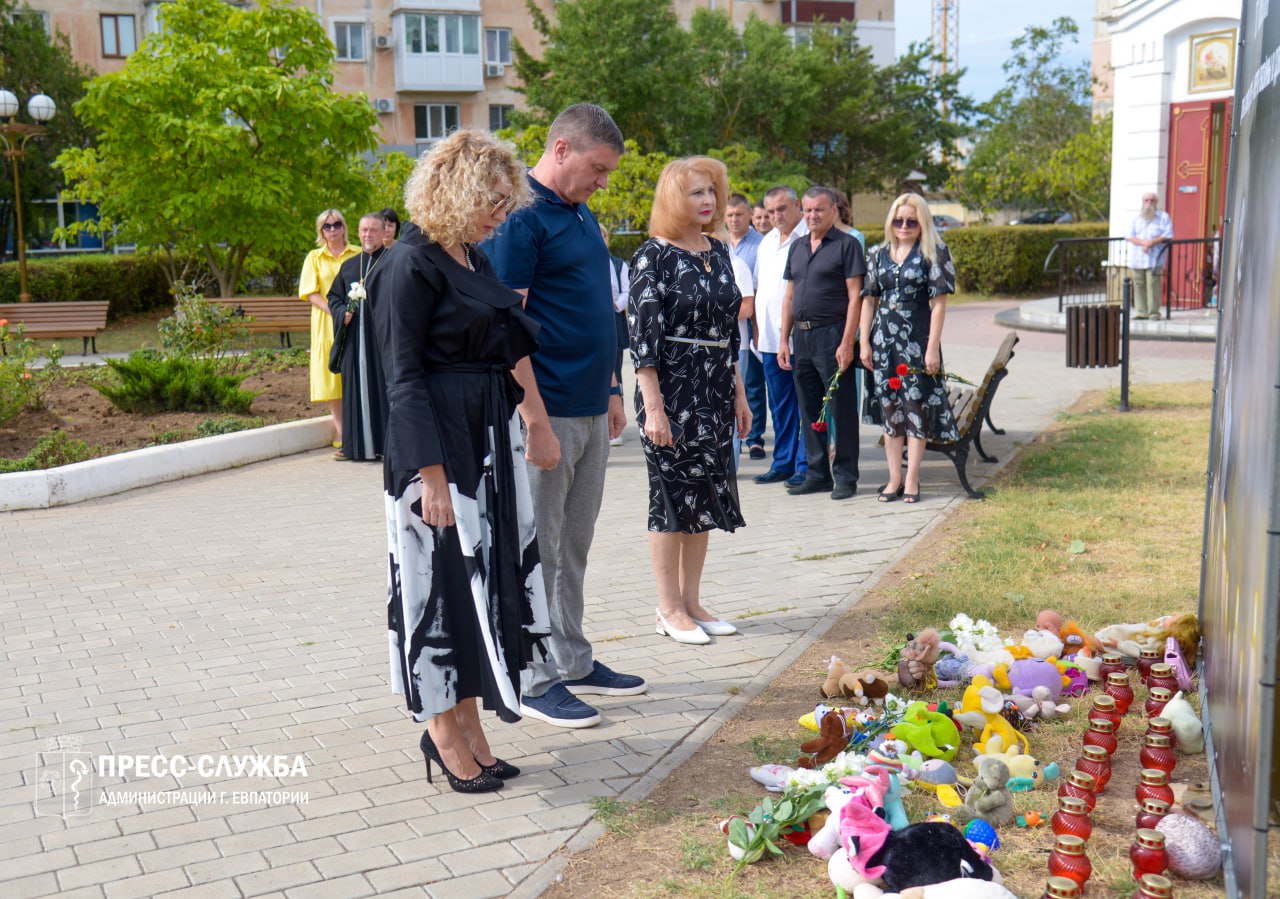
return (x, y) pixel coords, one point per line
(682, 317)
(908, 279)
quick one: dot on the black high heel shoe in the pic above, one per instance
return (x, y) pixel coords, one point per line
(500, 769)
(483, 782)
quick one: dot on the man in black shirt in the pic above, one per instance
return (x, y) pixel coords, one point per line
(820, 312)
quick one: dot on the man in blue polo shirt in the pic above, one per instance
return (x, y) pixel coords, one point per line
(553, 254)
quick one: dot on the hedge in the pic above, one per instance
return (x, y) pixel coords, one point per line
(129, 283)
(995, 259)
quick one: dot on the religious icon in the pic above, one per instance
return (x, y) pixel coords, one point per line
(1213, 61)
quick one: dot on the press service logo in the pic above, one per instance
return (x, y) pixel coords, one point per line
(64, 779)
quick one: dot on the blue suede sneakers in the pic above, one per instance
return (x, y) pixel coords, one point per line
(603, 681)
(559, 707)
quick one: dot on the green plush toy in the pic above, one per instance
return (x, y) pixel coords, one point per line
(933, 734)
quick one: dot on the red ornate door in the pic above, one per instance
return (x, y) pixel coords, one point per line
(1198, 135)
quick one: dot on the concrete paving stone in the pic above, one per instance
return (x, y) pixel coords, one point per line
(221, 889)
(148, 885)
(98, 873)
(30, 887)
(178, 856)
(282, 878)
(39, 863)
(487, 858)
(330, 825)
(83, 830)
(370, 858)
(310, 850)
(92, 891)
(410, 811)
(130, 844)
(260, 839)
(383, 835)
(196, 832)
(517, 873)
(410, 878)
(463, 821)
(334, 805)
(474, 886)
(341, 888)
(226, 868)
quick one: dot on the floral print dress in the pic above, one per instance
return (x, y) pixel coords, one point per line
(917, 406)
(688, 296)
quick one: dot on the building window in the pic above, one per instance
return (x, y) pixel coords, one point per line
(118, 36)
(497, 46)
(439, 33)
(348, 37)
(433, 121)
(500, 116)
(34, 16)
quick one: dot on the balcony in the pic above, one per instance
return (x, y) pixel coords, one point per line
(437, 51)
(806, 12)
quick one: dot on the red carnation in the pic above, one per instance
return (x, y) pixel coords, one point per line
(903, 370)
(895, 383)
(819, 426)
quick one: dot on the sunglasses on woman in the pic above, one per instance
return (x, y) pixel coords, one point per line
(905, 223)
(332, 226)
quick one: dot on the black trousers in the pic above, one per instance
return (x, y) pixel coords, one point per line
(813, 364)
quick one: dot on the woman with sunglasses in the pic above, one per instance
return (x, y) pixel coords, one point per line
(466, 598)
(908, 278)
(318, 271)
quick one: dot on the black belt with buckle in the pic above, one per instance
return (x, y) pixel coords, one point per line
(809, 326)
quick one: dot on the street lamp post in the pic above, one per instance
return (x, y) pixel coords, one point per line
(15, 136)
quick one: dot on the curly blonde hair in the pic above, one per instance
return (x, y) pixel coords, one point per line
(670, 216)
(455, 182)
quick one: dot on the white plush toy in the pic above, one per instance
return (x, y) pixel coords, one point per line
(1043, 643)
(1187, 729)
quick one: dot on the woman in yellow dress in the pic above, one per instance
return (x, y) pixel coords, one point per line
(318, 272)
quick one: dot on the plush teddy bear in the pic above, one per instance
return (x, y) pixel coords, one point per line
(862, 686)
(989, 797)
(832, 738)
(1039, 704)
(916, 661)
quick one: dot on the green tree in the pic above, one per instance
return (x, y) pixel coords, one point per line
(629, 56)
(1044, 108)
(32, 62)
(222, 136)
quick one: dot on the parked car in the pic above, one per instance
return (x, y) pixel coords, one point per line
(946, 223)
(1045, 217)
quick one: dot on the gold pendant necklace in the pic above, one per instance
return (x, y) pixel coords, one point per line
(706, 257)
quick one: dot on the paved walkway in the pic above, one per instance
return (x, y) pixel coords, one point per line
(241, 614)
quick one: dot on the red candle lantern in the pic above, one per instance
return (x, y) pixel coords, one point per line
(1111, 661)
(1148, 658)
(1118, 689)
(1104, 706)
(1154, 886)
(1157, 700)
(1150, 813)
(1072, 817)
(1068, 860)
(1094, 760)
(1102, 733)
(1162, 676)
(1147, 854)
(1081, 786)
(1061, 888)
(1153, 783)
(1157, 752)
(1158, 725)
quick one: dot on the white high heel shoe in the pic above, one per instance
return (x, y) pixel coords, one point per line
(695, 637)
(717, 628)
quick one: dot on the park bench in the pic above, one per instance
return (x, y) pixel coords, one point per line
(280, 314)
(83, 319)
(972, 407)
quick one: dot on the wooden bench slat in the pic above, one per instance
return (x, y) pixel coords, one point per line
(81, 318)
(278, 314)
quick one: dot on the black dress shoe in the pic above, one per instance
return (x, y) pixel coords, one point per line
(810, 485)
(772, 476)
(756, 451)
(843, 491)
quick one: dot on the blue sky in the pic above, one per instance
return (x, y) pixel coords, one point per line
(987, 27)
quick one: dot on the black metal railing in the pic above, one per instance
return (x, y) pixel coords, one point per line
(1093, 269)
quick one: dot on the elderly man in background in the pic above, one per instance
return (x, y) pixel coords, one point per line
(744, 241)
(1150, 233)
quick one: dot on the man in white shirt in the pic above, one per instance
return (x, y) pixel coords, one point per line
(743, 242)
(789, 463)
(1151, 230)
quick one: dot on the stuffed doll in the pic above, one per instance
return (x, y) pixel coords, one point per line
(915, 665)
(833, 737)
(989, 797)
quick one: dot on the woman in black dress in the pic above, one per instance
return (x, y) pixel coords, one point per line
(908, 279)
(682, 316)
(466, 602)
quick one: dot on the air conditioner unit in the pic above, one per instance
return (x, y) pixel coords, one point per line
(384, 105)
(382, 42)
(494, 70)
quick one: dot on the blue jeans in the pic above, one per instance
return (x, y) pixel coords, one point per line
(757, 396)
(788, 451)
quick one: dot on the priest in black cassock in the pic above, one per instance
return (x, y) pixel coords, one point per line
(355, 349)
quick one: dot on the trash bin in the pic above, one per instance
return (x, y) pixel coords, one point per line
(1093, 335)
